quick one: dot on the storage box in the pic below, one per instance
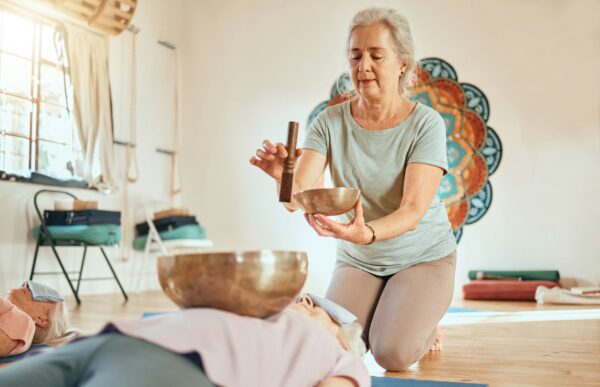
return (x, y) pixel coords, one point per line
(165, 224)
(83, 217)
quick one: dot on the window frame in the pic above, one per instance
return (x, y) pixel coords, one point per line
(36, 100)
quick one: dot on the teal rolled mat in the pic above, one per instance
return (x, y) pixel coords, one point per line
(190, 231)
(95, 234)
(526, 275)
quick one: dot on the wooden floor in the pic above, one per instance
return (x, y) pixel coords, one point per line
(507, 353)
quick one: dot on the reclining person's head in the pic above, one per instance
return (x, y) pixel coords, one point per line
(338, 321)
(46, 308)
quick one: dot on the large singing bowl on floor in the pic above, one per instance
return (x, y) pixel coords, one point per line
(249, 283)
(327, 201)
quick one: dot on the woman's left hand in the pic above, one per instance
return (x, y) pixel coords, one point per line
(355, 231)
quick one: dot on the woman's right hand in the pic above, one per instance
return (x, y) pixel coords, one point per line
(270, 158)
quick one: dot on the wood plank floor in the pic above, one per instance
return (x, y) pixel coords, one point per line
(520, 353)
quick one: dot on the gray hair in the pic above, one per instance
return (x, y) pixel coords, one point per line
(350, 336)
(58, 327)
(401, 37)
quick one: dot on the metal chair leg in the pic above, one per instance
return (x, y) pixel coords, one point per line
(35, 255)
(65, 272)
(114, 274)
(81, 268)
(44, 236)
(144, 259)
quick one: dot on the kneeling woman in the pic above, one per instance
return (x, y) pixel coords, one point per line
(313, 342)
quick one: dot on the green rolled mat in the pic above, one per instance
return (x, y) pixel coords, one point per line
(526, 275)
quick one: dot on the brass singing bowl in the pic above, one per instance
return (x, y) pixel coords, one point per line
(248, 283)
(327, 201)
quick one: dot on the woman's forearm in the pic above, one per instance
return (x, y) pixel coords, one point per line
(404, 219)
(421, 182)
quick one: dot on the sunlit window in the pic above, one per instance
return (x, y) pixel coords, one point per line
(37, 131)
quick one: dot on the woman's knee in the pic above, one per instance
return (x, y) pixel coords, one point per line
(394, 357)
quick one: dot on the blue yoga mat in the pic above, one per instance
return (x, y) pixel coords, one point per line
(458, 309)
(453, 309)
(395, 382)
(8, 359)
(153, 314)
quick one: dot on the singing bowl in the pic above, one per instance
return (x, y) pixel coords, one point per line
(248, 283)
(327, 201)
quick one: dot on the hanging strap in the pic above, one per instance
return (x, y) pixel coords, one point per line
(131, 163)
(131, 171)
(176, 183)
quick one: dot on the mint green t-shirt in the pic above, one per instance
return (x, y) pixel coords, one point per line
(375, 162)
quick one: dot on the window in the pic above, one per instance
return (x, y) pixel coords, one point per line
(37, 130)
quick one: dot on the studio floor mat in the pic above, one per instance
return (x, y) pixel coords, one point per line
(459, 309)
(11, 358)
(395, 382)
(452, 309)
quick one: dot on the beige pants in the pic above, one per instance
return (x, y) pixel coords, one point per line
(400, 312)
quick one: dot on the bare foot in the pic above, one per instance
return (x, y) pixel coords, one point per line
(437, 343)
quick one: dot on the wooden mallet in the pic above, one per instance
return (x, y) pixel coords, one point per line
(287, 177)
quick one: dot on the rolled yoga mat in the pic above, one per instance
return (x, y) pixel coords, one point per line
(503, 290)
(526, 275)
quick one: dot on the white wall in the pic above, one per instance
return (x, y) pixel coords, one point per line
(158, 20)
(250, 67)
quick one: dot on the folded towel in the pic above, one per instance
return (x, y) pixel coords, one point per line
(338, 313)
(543, 295)
(43, 293)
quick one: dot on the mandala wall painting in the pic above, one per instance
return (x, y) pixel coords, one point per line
(474, 148)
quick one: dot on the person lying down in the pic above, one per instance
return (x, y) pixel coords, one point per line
(312, 342)
(33, 313)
